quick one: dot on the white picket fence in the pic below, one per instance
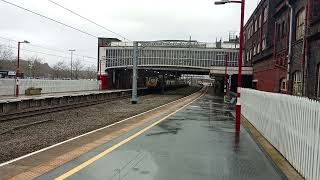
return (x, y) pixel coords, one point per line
(7, 86)
(291, 124)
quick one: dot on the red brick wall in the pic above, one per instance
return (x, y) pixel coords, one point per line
(268, 75)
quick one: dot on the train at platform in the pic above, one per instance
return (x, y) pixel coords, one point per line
(156, 83)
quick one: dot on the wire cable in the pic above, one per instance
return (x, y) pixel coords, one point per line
(77, 14)
(48, 54)
(51, 49)
(51, 19)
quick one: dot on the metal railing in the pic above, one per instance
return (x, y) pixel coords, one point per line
(291, 124)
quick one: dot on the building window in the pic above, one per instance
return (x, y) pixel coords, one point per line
(283, 24)
(318, 82)
(254, 50)
(297, 83)
(251, 31)
(243, 57)
(283, 85)
(253, 26)
(278, 31)
(300, 24)
(265, 14)
(249, 55)
(264, 44)
(256, 25)
(260, 21)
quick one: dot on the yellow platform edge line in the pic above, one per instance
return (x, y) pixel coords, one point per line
(107, 151)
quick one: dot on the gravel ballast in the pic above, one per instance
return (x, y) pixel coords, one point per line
(70, 123)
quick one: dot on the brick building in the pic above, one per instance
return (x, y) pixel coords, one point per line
(259, 40)
(267, 35)
(313, 51)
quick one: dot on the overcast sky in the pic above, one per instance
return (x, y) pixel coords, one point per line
(134, 19)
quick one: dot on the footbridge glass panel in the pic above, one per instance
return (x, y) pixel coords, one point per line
(200, 57)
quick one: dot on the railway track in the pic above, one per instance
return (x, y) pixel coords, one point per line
(30, 113)
(25, 114)
(8, 117)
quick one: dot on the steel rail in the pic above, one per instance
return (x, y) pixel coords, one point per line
(40, 111)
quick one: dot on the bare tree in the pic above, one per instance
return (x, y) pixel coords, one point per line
(6, 53)
(90, 72)
(59, 69)
(34, 65)
(77, 66)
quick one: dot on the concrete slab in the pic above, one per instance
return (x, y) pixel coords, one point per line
(197, 142)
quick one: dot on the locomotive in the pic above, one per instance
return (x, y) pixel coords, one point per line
(152, 82)
(156, 83)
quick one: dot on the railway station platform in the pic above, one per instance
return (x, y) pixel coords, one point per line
(56, 95)
(10, 106)
(191, 138)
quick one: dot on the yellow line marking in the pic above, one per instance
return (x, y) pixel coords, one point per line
(107, 151)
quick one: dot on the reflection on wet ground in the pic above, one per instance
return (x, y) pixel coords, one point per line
(198, 142)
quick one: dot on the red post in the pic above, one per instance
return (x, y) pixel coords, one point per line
(238, 106)
(226, 76)
(18, 71)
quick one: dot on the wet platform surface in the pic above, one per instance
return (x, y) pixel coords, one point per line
(197, 142)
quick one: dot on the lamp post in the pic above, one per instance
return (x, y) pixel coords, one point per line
(18, 67)
(134, 99)
(71, 51)
(238, 106)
